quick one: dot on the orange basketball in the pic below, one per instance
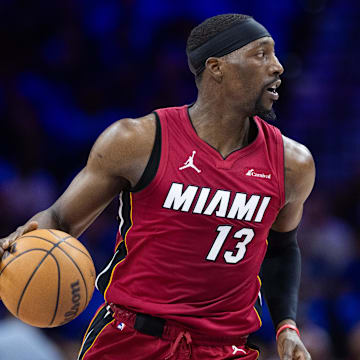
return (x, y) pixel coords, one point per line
(47, 278)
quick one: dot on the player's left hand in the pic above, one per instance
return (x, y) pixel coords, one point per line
(290, 346)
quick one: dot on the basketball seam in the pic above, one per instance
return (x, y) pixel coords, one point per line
(71, 245)
(30, 278)
(55, 245)
(63, 240)
(57, 236)
(41, 238)
(15, 258)
(49, 252)
(74, 247)
(58, 291)
(82, 276)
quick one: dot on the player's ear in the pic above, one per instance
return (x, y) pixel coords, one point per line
(214, 67)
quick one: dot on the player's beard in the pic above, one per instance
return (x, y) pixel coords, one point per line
(262, 112)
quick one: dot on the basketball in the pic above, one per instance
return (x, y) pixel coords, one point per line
(47, 278)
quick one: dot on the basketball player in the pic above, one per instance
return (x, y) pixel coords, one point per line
(206, 191)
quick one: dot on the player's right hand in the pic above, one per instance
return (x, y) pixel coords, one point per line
(6, 242)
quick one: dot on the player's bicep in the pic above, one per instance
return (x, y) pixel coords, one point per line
(95, 185)
(289, 217)
(116, 162)
(299, 182)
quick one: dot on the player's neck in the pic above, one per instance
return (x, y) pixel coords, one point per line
(220, 127)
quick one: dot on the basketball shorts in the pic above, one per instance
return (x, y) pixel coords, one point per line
(116, 333)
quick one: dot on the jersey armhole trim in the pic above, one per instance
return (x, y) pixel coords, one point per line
(154, 160)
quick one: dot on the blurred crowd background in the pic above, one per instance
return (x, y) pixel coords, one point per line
(70, 68)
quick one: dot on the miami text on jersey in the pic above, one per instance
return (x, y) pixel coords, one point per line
(242, 207)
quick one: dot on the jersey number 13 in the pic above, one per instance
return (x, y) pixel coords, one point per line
(230, 257)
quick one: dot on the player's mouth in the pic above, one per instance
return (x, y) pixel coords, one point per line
(271, 90)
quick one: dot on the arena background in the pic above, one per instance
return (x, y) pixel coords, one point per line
(70, 68)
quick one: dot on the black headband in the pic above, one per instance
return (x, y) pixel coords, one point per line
(226, 42)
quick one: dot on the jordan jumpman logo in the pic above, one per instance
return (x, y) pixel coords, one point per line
(190, 163)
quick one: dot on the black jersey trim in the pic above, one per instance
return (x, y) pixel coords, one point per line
(125, 213)
(154, 161)
(104, 278)
(258, 306)
(97, 325)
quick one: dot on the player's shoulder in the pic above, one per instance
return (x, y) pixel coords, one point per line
(297, 154)
(299, 168)
(129, 132)
(125, 145)
(132, 127)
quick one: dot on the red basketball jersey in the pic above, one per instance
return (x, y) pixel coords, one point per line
(191, 243)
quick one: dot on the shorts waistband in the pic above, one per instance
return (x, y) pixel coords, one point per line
(159, 327)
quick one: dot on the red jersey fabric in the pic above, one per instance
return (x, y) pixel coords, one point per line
(191, 243)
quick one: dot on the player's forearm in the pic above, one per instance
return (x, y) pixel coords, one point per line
(48, 219)
(66, 218)
(280, 275)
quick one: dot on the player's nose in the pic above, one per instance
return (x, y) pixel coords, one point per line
(276, 67)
